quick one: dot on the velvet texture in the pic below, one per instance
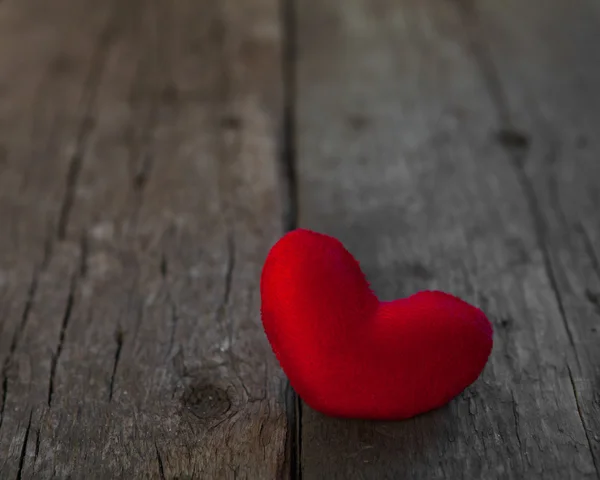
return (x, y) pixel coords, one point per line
(349, 355)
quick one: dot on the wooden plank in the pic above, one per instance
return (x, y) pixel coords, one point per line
(139, 196)
(549, 97)
(402, 139)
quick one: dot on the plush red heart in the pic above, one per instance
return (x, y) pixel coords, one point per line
(349, 355)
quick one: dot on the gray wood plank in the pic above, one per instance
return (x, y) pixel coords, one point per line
(548, 96)
(403, 133)
(139, 194)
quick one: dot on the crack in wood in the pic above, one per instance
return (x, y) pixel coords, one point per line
(517, 424)
(136, 98)
(119, 341)
(48, 248)
(161, 470)
(583, 422)
(297, 461)
(288, 143)
(24, 448)
(174, 321)
(83, 261)
(31, 292)
(551, 159)
(174, 315)
(540, 233)
(164, 266)
(4, 394)
(142, 155)
(86, 125)
(61, 339)
(37, 446)
(293, 445)
(225, 154)
(227, 324)
(234, 360)
(289, 180)
(593, 299)
(146, 156)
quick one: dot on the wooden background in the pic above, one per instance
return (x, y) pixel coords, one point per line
(152, 151)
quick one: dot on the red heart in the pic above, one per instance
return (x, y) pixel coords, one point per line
(349, 355)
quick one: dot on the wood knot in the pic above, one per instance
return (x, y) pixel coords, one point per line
(231, 122)
(513, 139)
(206, 401)
(506, 322)
(358, 122)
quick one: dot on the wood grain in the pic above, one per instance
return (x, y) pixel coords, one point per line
(450, 145)
(554, 105)
(139, 194)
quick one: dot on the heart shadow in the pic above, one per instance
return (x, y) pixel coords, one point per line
(449, 442)
(374, 449)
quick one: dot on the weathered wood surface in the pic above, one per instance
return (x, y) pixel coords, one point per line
(453, 145)
(449, 145)
(139, 195)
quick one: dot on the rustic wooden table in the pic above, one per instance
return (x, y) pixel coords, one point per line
(151, 152)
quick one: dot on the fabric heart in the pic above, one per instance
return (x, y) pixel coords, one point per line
(349, 355)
